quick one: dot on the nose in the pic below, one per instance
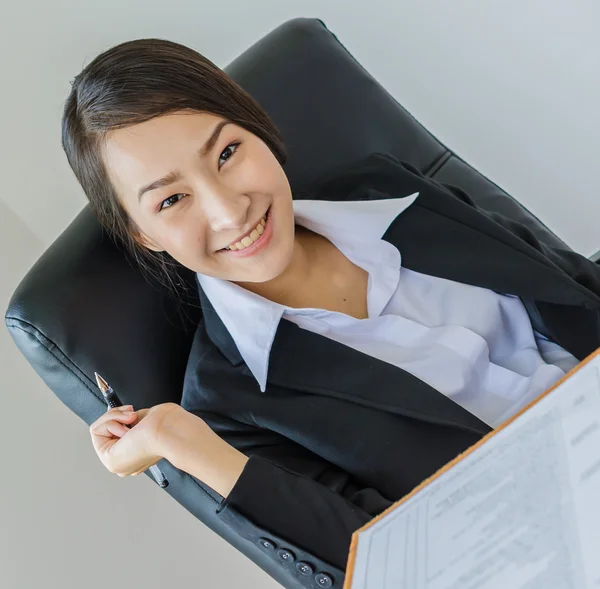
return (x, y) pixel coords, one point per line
(223, 210)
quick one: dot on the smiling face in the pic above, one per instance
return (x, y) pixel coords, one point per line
(192, 193)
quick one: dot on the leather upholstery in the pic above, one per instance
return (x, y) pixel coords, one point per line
(84, 307)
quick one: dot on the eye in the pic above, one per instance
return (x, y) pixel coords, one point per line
(228, 152)
(169, 202)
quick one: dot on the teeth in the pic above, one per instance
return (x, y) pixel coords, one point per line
(250, 239)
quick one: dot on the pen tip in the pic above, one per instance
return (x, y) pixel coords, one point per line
(102, 384)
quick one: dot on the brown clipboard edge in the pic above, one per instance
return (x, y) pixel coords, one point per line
(354, 543)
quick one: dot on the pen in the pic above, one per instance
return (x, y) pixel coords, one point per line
(112, 400)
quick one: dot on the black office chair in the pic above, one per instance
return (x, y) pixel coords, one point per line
(84, 307)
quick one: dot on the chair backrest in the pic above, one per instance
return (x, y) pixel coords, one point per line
(83, 307)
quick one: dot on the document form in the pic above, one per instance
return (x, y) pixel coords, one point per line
(519, 511)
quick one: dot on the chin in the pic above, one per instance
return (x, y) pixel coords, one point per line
(266, 274)
(267, 270)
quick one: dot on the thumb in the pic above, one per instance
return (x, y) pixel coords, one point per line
(139, 415)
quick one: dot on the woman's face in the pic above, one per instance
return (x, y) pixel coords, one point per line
(192, 194)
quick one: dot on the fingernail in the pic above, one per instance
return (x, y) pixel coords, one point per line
(126, 407)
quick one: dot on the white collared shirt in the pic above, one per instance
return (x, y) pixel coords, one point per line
(471, 344)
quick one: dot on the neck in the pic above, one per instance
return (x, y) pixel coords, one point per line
(304, 274)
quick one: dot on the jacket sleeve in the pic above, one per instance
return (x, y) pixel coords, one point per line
(577, 266)
(289, 500)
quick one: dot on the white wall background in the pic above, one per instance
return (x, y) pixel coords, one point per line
(511, 85)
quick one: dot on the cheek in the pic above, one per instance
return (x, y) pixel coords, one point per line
(262, 170)
(181, 237)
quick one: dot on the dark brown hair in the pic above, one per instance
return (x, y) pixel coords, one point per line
(131, 83)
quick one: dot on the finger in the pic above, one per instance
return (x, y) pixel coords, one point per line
(114, 413)
(107, 430)
(116, 428)
(118, 410)
(140, 414)
(122, 416)
(104, 430)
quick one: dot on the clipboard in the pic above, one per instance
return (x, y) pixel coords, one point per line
(385, 518)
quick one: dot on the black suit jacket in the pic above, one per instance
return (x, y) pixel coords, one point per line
(338, 435)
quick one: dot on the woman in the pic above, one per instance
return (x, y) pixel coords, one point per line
(351, 343)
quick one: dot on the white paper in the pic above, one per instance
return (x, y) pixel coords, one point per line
(522, 511)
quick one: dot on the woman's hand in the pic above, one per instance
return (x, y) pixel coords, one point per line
(125, 451)
(165, 431)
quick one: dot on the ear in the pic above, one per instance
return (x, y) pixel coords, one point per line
(146, 242)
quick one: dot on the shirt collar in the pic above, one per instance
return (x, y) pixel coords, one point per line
(252, 320)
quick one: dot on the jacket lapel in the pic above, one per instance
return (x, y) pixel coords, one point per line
(314, 364)
(441, 236)
(317, 365)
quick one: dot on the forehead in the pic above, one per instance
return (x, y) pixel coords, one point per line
(146, 151)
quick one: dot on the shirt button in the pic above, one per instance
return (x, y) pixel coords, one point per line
(286, 555)
(304, 568)
(266, 544)
(323, 580)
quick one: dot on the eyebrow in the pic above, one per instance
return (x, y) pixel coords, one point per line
(175, 175)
